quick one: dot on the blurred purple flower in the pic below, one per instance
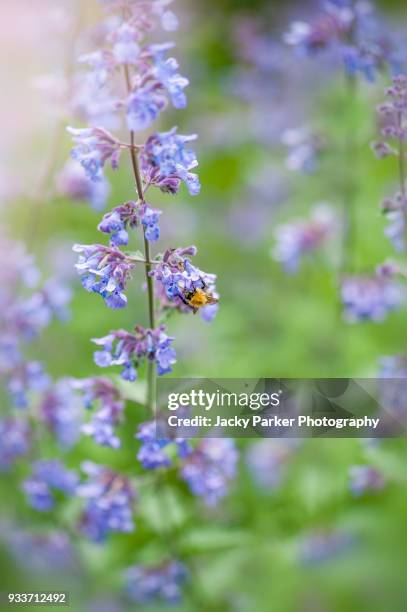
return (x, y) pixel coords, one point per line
(364, 478)
(47, 476)
(110, 499)
(163, 582)
(15, 441)
(209, 468)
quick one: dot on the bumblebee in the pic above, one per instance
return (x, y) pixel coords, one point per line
(197, 298)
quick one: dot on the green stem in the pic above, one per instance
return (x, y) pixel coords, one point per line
(151, 373)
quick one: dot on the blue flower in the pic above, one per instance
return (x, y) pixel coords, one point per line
(162, 582)
(14, 441)
(210, 467)
(364, 478)
(109, 505)
(46, 476)
(94, 146)
(103, 393)
(143, 107)
(129, 350)
(104, 270)
(165, 156)
(149, 219)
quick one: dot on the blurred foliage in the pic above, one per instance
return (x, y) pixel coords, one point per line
(244, 557)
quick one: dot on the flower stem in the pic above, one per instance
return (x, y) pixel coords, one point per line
(151, 374)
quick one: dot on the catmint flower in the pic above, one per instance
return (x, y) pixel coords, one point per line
(73, 183)
(177, 280)
(15, 441)
(163, 582)
(364, 478)
(104, 270)
(26, 377)
(126, 49)
(152, 453)
(94, 146)
(129, 216)
(371, 297)
(304, 149)
(110, 499)
(149, 219)
(392, 386)
(61, 412)
(321, 546)
(165, 71)
(41, 552)
(46, 476)
(143, 107)
(209, 468)
(302, 237)
(103, 394)
(128, 350)
(351, 30)
(166, 162)
(267, 461)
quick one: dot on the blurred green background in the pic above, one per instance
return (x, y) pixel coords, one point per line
(244, 556)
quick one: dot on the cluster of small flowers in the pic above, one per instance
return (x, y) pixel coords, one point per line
(153, 451)
(393, 116)
(268, 459)
(304, 149)
(163, 582)
(393, 386)
(352, 30)
(110, 498)
(207, 468)
(46, 476)
(48, 552)
(103, 393)
(60, 410)
(129, 350)
(299, 238)
(28, 308)
(364, 478)
(176, 277)
(320, 546)
(372, 297)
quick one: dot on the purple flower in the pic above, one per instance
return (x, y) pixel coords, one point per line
(323, 545)
(60, 410)
(177, 279)
(128, 350)
(370, 297)
(267, 461)
(102, 393)
(94, 146)
(143, 107)
(298, 238)
(352, 31)
(152, 453)
(110, 499)
(166, 161)
(304, 149)
(149, 219)
(160, 582)
(209, 468)
(128, 216)
(14, 441)
(26, 377)
(126, 49)
(73, 183)
(364, 478)
(104, 270)
(42, 552)
(165, 71)
(46, 476)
